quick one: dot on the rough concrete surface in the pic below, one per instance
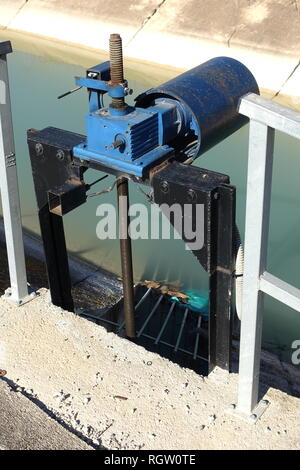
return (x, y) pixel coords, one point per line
(88, 23)
(121, 396)
(24, 426)
(8, 10)
(186, 33)
(264, 34)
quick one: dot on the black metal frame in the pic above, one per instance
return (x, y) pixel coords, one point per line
(54, 166)
(5, 47)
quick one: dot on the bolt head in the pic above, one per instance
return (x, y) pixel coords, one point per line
(253, 417)
(265, 402)
(164, 187)
(232, 406)
(191, 195)
(60, 154)
(39, 149)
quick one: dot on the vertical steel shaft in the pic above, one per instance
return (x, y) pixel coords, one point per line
(116, 66)
(126, 257)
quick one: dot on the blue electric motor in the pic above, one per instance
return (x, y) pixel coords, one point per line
(183, 117)
(207, 98)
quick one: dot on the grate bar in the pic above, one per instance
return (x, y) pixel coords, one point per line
(164, 343)
(181, 329)
(150, 316)
(135, 308)
(197, 337)
(165, 323)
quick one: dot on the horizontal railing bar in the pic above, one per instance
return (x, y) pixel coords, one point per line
(280, 290)
(271, 114)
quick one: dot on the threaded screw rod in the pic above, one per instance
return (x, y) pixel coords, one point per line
(116, 66)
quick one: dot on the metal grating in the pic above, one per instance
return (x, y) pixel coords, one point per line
(163, 326)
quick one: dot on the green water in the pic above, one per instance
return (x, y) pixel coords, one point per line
(36, 81)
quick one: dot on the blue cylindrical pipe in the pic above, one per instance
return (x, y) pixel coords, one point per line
(210, 93)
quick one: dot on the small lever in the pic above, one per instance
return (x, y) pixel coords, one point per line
(69, 92)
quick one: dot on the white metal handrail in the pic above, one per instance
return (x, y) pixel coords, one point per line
(265, 117)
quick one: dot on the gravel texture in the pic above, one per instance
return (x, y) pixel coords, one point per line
(120, 396)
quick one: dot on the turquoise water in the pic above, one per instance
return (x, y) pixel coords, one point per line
(35, 84)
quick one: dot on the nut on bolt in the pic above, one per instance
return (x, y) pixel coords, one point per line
(164, 187)
(60, 154)
(39, 149)
(128, 91)
(191, 195)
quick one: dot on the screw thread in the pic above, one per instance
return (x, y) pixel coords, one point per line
(116, 65)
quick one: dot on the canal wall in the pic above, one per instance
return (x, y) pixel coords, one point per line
(263, 34)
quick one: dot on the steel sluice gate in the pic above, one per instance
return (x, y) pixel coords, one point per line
(153, 143)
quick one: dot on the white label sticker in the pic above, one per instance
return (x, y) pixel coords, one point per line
(2, 92)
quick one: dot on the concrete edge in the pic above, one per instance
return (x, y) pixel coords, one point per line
(274, 372)
(27, 424)
(277, 72)
(80, 270)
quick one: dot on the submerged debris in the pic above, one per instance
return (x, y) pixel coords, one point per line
(169, 289)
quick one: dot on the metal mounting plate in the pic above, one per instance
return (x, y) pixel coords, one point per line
(136, 167)
(254, 416)
(32, 294)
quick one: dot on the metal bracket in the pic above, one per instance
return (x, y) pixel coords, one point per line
(183, 184)
(32, 294)
(254, 416)
(5, 47)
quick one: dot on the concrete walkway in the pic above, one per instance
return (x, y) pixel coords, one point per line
(24, 426)
(120, 396)
(264, 34)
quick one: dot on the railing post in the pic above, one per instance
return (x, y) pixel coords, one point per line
(260, 164)
(9, 190)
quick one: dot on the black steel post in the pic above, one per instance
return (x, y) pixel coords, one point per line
(52, 231)
(126, 257)
(221, 278)
(182, 184)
